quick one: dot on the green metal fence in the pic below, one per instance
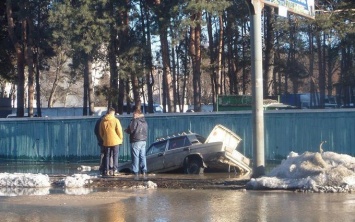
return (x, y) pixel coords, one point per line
(72, 139)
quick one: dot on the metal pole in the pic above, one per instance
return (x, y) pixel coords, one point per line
(256, 7)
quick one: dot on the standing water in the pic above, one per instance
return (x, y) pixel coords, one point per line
(316, 171)
(180, 205)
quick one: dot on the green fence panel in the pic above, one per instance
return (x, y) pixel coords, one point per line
(72, 139)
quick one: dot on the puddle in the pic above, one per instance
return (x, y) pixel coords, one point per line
(47, 168)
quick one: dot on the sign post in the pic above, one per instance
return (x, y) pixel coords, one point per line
(304, 8)
(255, 7)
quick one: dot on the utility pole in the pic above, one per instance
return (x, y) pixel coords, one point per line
(255, 8)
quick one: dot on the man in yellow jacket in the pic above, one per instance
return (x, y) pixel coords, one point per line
(112, 136)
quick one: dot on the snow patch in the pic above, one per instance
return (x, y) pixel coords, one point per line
(24, 180)
(317, 172)
(77, 180)
(146, 185)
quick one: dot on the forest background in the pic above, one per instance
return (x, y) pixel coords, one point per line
(176, 52)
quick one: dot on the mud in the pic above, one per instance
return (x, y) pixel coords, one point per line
(172, 181)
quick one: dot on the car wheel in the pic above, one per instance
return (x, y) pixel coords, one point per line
(193, 166)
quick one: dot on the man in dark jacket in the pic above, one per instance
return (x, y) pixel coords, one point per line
(138, 130)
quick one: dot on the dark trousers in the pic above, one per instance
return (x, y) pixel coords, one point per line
(111, 152)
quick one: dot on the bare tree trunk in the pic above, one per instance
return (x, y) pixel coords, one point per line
(29, 61)
(135, 90)
(19, 56)
(54, 88)
(330, 70)
(213, 75)
(186, 73)
(167, 80)
(86, 84)
(112, 50)
(38, 85)
(180, 101)
(91, 89)
(244, 83)
(173, 84)
(311, 61)
(321, 74)
(230, 56)
(288, 73)
(123, 37)
(148, 56)
(219, 55)
(126, 91)
(38, 58)
(121, 93)
(195, 53)
(235, 54)
(270, 53)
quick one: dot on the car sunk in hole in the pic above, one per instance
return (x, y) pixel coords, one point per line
(192, 153)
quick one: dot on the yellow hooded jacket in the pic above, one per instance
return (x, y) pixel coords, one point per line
(111, 131)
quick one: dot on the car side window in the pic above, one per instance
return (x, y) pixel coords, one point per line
(178, 142)
(157, 148)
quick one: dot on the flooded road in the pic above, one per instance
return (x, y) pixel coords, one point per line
(180, 205)
(163, 204)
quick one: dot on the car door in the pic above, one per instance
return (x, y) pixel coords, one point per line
(155, 156)
(178, 149)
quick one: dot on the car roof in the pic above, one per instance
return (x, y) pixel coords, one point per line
(175, 136)
(193, 137)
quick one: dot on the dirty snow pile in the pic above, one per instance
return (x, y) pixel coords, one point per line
(23, 184)
(314, 172)
(146, 185)
(24, 180)
(16, 184)
(77, 180)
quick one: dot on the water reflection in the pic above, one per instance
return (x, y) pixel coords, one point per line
(181, 205)
(216, 205)
(78, 191)
(19, 191)
(24, 191)
(114, 212)
(46, 168)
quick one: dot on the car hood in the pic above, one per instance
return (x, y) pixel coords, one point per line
(222, 134)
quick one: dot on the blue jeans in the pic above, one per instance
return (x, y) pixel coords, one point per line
(139, 162)
(111, 151)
